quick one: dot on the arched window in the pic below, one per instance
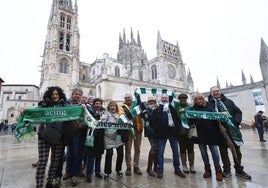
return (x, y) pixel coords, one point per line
(62, 20)
(69, 21)
(61, 41)
(117, 71)
(68, 39)
(154, 72)
(63, 66)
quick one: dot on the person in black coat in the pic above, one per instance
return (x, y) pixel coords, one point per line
(208, 134)
(221, 103)
(165, 122)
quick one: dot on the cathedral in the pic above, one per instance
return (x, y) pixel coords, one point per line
(107, 77)
(111, 78)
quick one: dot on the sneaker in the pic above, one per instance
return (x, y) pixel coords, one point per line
(192, 169)
(226, 174)
(66, 176)
(137, 171)
(180, 173)
(74, 181)
(242, 174)
(88, 179)
(120, 174)
(106, 176)
(56, 183)
(185, 169)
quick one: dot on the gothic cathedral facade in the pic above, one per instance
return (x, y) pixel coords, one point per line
(107, 77)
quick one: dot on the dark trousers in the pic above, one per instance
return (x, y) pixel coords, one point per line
(119, 160)
(260, 132)
(226, 161)
(186, 144)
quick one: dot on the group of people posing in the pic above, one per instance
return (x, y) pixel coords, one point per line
(160, 121)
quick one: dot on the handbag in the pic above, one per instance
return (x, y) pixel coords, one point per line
(192, 132)
(51, 135)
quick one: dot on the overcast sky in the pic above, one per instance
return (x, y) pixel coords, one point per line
(217, 38)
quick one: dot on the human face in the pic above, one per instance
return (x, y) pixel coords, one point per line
(98, 105)
(77, 97)
(183, 100)
(164, 98)
(112, 107)
(128, 101)
(215, 92)
(199, 101)
(55, 96)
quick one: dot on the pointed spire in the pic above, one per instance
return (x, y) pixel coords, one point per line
(75, 6)
(121, 42)
(138, 39)
(263, 52)
(159, 43)
(226, 84)
(244, 80)
(124, 36)
(251, 79)
(218, 83)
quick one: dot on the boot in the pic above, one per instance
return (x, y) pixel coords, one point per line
(218, 173)
(155, 164)
(207, 173)
(183, 162)
(151, 158)
(191, 162)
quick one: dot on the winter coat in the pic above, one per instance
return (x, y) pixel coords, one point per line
(48, 103)
(162, 130)
(208, 131)
(233, 110)
(111, 137)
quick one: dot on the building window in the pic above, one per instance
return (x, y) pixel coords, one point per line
(19, 98)
(7, 97)
(69, 23)
(63, 66)
(154, 72)
(61, 41)
(64, 34)
(68, 39)
(117, 71)
(62, 21)
(12, 115)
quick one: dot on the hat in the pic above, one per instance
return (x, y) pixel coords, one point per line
(127, 95)
(151, 98)
(182, 96)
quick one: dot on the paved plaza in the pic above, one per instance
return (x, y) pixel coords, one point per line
(17, 171)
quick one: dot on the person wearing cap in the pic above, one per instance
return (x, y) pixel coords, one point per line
(150, 134)
(165, 121)
(186, 144)
(138, 128)
(259, 124)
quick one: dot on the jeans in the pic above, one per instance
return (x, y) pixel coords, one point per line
(214, 153)
(260, 132)
(74, 155)
(91, 160)
(161, 144)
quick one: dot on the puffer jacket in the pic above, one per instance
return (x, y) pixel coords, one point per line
(111, 137)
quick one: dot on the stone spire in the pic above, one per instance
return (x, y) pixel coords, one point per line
(218, 83)
(244, 80)
(251, 79)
